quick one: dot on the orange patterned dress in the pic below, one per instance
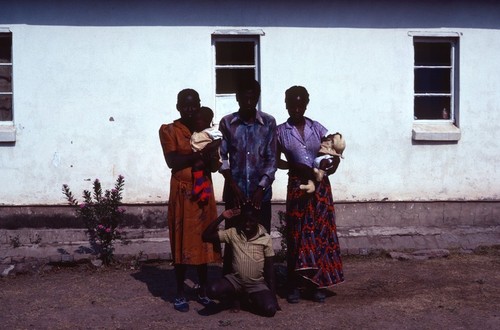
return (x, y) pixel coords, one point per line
(187, 219)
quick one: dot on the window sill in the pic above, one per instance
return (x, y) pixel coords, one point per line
(435, 132)
(7, 133)
(257, 32)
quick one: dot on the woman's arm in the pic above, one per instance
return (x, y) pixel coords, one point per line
(333, 167)
(303, 171)
(280, 163)
(177, 161)
(209, 156)
(212, 158)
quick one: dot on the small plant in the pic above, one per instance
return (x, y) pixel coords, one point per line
(36, 240)
(101, 214)
(281, 254)
(135, 263)
(15, 242)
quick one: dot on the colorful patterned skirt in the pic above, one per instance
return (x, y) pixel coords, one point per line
(312, 241)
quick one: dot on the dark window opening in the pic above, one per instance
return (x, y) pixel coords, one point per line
(227, 79)
(235, 59)
(234, 53)
(436, 107)
(5, 76)
(434, 76)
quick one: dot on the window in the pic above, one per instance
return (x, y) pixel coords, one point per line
(5, 76)
(434, 83)
(435, 98)
(236, 57)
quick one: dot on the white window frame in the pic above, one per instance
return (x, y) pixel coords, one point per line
(226, 102)
(439, 129)
(7, 128)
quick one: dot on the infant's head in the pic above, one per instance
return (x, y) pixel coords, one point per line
(327, 141)
(334, 144)
(203, 119)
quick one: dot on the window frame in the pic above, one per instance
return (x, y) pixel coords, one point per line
(438, 129)
(225, 103)
(7, 128)
(236, 36)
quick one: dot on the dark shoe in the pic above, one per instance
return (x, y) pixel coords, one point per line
(293, 296)
(205, 301)
(211, 309)
(319, 296)
(181, 305)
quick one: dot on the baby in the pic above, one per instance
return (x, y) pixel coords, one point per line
(204, 134)
(332, 145)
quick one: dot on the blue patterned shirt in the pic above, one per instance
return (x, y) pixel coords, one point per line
(298, 149)
(248, 150)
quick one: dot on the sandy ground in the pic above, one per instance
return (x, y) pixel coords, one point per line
(461, 291)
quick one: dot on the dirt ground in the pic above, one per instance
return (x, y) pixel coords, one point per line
(461, 291)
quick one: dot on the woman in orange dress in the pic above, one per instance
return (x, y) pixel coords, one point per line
(187, 217)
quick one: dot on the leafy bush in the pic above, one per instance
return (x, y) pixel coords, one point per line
(101, 214)
(15, 242)
(281, 254)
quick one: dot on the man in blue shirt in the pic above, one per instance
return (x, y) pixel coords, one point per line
(248, 152)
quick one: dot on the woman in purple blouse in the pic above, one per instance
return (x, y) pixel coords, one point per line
(313, 251)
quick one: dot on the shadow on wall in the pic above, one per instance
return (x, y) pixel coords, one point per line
(59, 217)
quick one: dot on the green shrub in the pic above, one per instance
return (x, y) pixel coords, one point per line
(101, 214)
(281, 254)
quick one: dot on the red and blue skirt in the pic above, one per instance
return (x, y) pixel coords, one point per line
(312, 242)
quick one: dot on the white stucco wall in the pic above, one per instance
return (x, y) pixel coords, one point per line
(70, 79)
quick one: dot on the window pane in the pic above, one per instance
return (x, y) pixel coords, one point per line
(5, 107)
(234, 52)
(432, 107)
(432, 53)
(227, 79)
(5, 48)
(432, 80)
(5, 78)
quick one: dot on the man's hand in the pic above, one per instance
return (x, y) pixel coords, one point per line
(238, 196)
(257, 197)
(234, 192)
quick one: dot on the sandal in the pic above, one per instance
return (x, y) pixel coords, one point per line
(293, 296)
(181, 305)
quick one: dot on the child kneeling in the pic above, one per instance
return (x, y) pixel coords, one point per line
(253, 275)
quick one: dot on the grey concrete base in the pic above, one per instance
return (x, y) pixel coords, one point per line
(363, 228)
(368, 240)
(71, 245)
(154, 244)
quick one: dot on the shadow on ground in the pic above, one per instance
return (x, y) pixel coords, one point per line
(160, 280)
